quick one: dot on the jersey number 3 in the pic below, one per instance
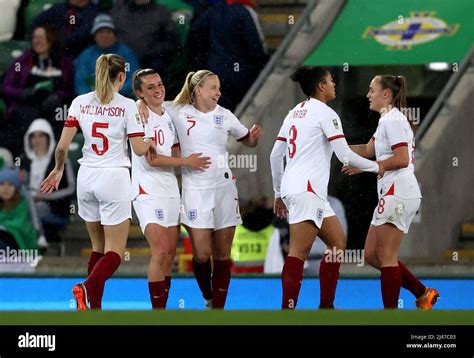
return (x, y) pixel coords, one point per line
(291, 142)
(96, 134)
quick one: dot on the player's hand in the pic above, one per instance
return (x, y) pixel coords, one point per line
(197, 162)
(255, 132)
(150, 155)
(279, 209)
(347, 169)
(381, 172)
(51, 183)
(143, 110)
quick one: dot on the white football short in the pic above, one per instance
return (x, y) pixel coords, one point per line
(211, 208)
(392, 209)
(163, 211)
(307, 206)
(103, 194)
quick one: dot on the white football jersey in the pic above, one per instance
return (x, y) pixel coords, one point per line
(156, 181)
(394, 131)
(206, 133)
(307, 130)
(105, 129)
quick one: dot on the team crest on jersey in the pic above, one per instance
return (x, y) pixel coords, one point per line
(137, 118)
(159, 214)
(319, 215)
(335, 123)
(192, 214)
(219, 120)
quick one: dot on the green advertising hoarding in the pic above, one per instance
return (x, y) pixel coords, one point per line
(402, 32)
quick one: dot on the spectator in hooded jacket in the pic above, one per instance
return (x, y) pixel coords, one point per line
(38, 160)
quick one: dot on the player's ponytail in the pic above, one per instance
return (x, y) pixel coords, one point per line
(309, 77)
(107, 69)
(193, 80)
(400, 100)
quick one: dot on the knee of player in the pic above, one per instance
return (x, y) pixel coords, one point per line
(202, 256)
(370, 257)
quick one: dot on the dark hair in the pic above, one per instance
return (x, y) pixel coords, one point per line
(398, 86)
(137, 78)
(309, 77)
(52, 37)
(107, 69)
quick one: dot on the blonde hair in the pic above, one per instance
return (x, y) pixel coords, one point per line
(107, 69)
(193, 80)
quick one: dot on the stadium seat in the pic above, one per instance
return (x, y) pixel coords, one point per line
(35, 8)
(9, 51)
(8, 9)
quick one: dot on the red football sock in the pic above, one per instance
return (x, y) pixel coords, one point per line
(291, 278)
(103, 270)
(202, 272)
(391, 283)
(328, 276)
(158, 294)
(168, 282)
(220, 282)
(410, 282)
(93, 258)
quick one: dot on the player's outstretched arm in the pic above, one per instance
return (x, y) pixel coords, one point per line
(364, 150)
(255, 133)
(52, 181)
(195, 161)
(349, 158)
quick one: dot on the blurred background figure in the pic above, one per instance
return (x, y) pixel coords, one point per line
(225, 40)
(155, 40)
(105, 42)
(36, 162)
(8, 9)
(253, 236)
(36, 84)
(16, 228)
(73, 21)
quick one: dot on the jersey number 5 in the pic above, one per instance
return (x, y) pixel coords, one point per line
(291, 142)
(96, 134)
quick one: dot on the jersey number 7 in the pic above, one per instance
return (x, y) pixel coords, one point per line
(193, 123)
(96, 134)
